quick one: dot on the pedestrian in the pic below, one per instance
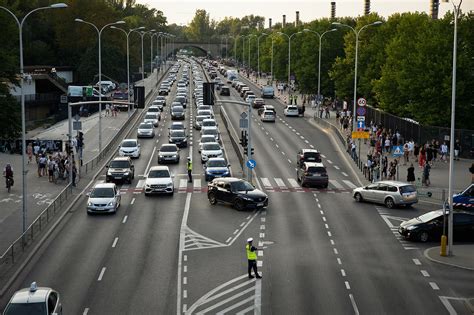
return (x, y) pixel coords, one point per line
(107, 110)
(411, 174)
(303, 109)
(387, 144)
(42, 166)
(422, 157)
(74, 174)
(29, 151)
(51, 169)
(426, 174)
(457, 149)
(189, 167)
(471, 169)
(444, 152)
(416, 151)
(406, 152)
(252, 259)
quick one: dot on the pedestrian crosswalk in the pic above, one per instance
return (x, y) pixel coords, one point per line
(275, 184)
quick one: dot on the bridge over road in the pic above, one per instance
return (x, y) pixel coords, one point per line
(213, 48)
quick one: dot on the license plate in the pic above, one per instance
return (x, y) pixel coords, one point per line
(311, 159)
(99, 209)
(116, 177)
(260, 204)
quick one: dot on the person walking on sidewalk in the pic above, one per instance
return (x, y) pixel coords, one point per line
(457, 149)
(406, 152)
(444, 152)
(29, 152)
(252, 259)
(411, 174)
(422, 157)
(189, 167)
(426, 174)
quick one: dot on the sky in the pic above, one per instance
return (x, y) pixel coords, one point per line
(181, 12)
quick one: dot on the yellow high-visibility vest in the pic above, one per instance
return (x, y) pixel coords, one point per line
(250, 255)
(190, 166)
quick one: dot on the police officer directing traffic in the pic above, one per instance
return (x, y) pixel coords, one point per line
(189, 166)
(252, 259)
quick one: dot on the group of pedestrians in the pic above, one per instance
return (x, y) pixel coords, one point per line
(111, 110)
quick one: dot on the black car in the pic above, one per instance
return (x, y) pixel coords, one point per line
(307, 155)
(120, 169)
(429, 226)
(179, 138)
(237, 192)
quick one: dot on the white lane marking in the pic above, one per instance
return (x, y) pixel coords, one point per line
(283, 153)
(197, 183)
(434, 286)
(339, 261)
(277, 145)
(125, 219)
(115, 242)
(354, 305)
(262, 235)
(236, 231)
(329, 161)
(149, 161)
(335, 183)
(343, 272)
(326, 226)
(271, 139)
(447, 304)
(297, 133)
(311, 146)
(140, 184)
(293, 182)
(329, 234)
(332, 242)
(306, 141)
(349, 183)
(344, 173)
(185, 294)
(289, 161)
(302, 137)
(263, 219)
(425, 273)
(243, 223)
(265, 182)
(416, 261)
(182, 235)
(348, 287)
(86, 310)
(133, 201)
(262, 227)
(185, 268)
(101, 275)
(335, 251)
(336, 167)
(185, 280)
(280, 182)
(228, 240)
(324, 219)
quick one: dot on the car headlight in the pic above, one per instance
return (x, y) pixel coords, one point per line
(174, 156)
(160, 155)
(126, 173)
(412, 227)
(247, 198)
(112, 203)
(89, 203)
(169, 185)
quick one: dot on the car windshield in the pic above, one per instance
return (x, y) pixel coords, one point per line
(153, 109)
(119, 164)
(26, 309)
(177, 126)
(211, 146)
(268, 113)
(145, 126)
(209, 132)
(407, 189)
(102, 193)
(178, 109)
(158, 174)
(313, 170)
(208, 139)
(177, 133)
(241, 186)
(209, 123)
(129, 144)
(204, 112)
(168, 148)
(430, 216)
(311, 156)
(151, 116)
(216, 163)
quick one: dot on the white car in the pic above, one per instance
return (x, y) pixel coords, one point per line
(291, 110)
(268, 115)
(211, 150)
(206, 139)
(130, 147)
(146, 130)
(213, 131)
(204, 112)
(208, 123)
(151, 118)
(104, 198)
(159, 180)
(34, 301)
(250, 99)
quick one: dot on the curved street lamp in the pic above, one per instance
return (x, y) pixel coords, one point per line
(289, 54)
(127, 34)
(355, 62)
(250, 37)
(22, 91)
(320, 36)
(258, 54)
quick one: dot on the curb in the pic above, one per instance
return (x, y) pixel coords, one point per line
(425, 253)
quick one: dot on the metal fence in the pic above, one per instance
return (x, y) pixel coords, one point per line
(419, 133)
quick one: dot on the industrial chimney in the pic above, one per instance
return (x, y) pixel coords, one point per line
(284, 21)
(367, 7)
(270, 23)
(297, 21)
(333, 10)
(434, 9)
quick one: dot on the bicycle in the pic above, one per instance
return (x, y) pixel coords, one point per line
(9, 182)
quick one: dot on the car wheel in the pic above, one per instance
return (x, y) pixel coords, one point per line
(358, 197)
(212, 198)
(389, 203)
(238, 204)
(424, 236)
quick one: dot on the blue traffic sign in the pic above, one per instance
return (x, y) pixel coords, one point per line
(251, 164)
(361, 111)
(361, 125)
(397, 150)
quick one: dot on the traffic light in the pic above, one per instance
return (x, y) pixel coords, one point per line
(251, 151)
(243, 138)
(246, 151)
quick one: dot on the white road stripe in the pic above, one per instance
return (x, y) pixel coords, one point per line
(140, 184)
(265, 182)
(339, 261)
(434, 286)
(101, 274)
(133, 201)
(125, 219)
(311, 146)
(293, 183)
(344, 173)
(416, 261)
(329, 161)
(306, 141)
(197, 183)
(183, 183)
(336, 167)
(86, 310)
(335, 183)
(343, 272)
(323, 156)
(354, 305)
(115, 242)
(348, 287)
(280, 182)
(349, 183)
(425, 273)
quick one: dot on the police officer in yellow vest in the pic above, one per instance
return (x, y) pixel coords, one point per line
(189, 166)
(252, 259)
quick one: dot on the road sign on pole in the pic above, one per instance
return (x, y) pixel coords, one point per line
(360, 135)
(243, 123)
(77, 125)
(397, 150)
(251, 164)
(361, 111)
(360, 125)
(361, 102)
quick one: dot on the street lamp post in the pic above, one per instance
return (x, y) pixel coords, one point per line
(320, 36)
(99, 33)
(355, 64)
(142, 34)
(127, 34)
(271, 61)
(250, 36)
(243, 50)
(258, 54)
(22, 101)
(152, 34)
(289, 55)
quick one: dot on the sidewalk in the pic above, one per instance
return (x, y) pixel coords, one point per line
(463, 256)
(439, 174)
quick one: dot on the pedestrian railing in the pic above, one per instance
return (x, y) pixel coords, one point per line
(24, 242)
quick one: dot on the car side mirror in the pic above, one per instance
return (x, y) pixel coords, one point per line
(366, 187)
(228, 165)
(139, 145)
(88, 193)
(106, 166)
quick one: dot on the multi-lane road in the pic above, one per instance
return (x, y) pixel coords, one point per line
(321, 251)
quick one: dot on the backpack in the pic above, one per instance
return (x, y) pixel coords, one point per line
(8, 171)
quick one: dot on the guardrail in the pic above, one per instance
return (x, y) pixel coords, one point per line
(22, 243)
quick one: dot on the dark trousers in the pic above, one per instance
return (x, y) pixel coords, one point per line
(190, 176)
(252, 265)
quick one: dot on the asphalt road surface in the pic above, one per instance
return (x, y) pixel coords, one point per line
(322, 253)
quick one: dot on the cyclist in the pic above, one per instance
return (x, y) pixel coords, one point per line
(8, 173)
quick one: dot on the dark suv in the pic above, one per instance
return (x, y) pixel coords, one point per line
(237, 192)
(120, 169)
(312, 174)
(307, 155)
